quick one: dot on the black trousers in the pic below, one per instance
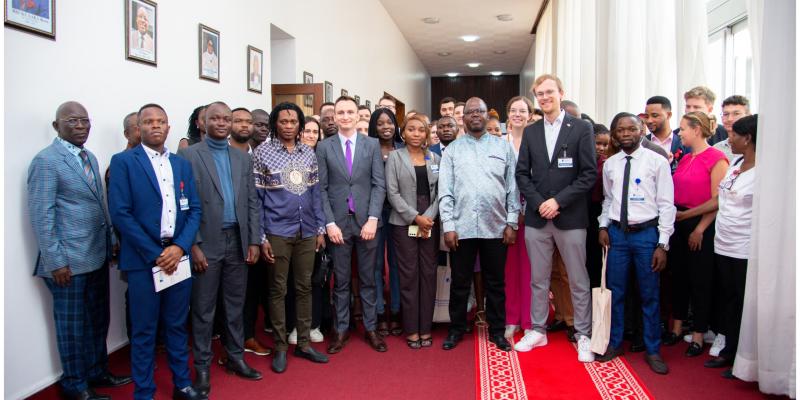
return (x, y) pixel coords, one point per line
(493, 264)
(692, 274)
(732, 275)
(594, 253)
(257, 295)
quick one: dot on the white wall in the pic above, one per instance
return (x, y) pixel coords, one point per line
(353, 44)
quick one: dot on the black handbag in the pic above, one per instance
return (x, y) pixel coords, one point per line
(322, 271)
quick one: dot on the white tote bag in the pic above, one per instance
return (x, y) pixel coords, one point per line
(601, 312)
(441, 308)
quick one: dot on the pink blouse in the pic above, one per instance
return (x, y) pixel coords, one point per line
(692, 178)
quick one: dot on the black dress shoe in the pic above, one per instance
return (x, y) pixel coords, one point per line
(557, 325)
(202, 381)
(451, 341)
(187, 393)
(241, 369)
(501, 342)
(87, 394)
(107, 380)
(728, 374)
(311, 355)
(637, 346)
(610, 354)
(279, 362)
(718, 362)
(571, 334)
(656, 364)
(671, 339)
(694, 350)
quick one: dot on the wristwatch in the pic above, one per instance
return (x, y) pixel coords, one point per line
(513, 225)
(664, 246)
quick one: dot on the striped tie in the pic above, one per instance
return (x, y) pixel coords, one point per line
(87, 168)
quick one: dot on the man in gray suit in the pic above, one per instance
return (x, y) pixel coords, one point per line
(352, 190)
(68, 214)
(227, 241)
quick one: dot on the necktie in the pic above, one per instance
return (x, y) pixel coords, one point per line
(87, 167)
(348, 156)
(626, 181)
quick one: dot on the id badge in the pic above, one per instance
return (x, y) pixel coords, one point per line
(565, 162)
(435, 168)
(413, 231)
(636, 198)
(184, 203)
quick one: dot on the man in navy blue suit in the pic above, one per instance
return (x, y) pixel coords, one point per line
(154, 205)
(446, 130)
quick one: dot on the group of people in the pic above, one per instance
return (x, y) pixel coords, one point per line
(268, 208)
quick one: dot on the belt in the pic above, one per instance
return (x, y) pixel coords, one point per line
(166, 242)
(637, 227)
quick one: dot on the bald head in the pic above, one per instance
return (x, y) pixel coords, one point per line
(475, 116)
(72, 123)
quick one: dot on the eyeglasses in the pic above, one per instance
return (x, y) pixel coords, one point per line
(73, 122)
(728, 184)
(475, 111)
(545, 93)
(734, 114)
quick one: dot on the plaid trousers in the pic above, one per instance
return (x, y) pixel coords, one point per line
(81, 314)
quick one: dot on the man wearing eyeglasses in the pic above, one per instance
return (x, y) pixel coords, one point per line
(733, 108)
(66, 204)
(388, 102)
(556, 169)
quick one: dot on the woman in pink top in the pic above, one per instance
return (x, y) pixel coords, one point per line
(691, 255)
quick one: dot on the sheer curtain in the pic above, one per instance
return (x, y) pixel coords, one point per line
(767, 339)
(545, 37)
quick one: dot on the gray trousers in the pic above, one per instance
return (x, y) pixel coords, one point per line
(365, 252)
(229, 271)
(572, 246)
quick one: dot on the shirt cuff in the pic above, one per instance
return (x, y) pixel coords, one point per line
(321, 230)
(512, 218)
(663, 238)
(448, 226)
(328, 225)
(264, 239)
(371, 217)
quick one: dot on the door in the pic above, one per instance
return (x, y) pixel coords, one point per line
(400, 112)
(307, 96)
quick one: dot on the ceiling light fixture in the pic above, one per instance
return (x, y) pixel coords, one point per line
(469, 38)
(505, 17)
(473, 65)
(444, 53)
(496, 73)
(499, 52)
(430, 20)
(452, 74)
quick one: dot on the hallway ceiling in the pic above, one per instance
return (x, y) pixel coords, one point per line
(467, 17)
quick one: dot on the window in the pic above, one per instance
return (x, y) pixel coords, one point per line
(730, 63)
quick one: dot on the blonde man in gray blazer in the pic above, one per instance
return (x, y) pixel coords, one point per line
(412, 174)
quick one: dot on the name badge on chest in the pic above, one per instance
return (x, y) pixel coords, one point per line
(183, 201)
(565, 162)
(435, 168)
(636, 195)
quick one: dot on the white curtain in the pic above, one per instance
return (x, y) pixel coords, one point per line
(755, 18)
(767, 344)
(576, 49)
(691, 25)
(545, 38)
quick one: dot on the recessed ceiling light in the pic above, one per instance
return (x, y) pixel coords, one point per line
(499, 52)
(444, 53)
(469, 38)
(473, 65)
(505, 17)
(430, 20)
(452, 74)
(496, 73)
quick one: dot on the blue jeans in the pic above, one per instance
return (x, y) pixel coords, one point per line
(384, 235)
(634, 249)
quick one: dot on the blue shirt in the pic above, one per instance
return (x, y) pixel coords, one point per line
(478, 195)
(219, 150)
(288, 185)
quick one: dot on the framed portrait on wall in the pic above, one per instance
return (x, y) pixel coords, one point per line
(308, 78)
(368, 104)
(358, 99)
(328, 92)
(35, 16)
(140, 31)
(344, 92)
(255, 71)
(209, 51)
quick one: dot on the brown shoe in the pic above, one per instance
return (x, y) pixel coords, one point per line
(253, 346)
(337, 344)
(375, 341)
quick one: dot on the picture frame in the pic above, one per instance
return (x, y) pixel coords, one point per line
(358, 99)
(255, 69)
(344, 92)
(141, 31)
(208, 54)
(308, 78)
(34, 16)
(368, 104)
(328, 92)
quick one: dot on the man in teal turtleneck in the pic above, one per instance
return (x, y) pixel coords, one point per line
(227, 241)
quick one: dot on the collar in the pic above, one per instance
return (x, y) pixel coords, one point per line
(655, 138)
(152, 154)
(558, 120)
(298, 147)
(636, 155)
(75, 150)
(343, 139)
(215, 144)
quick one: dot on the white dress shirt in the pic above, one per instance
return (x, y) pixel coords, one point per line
(650, 191)
(166, 184)
(551, 133)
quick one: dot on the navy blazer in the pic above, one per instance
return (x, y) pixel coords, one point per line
(134, 202)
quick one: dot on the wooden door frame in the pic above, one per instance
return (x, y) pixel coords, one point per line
(317, 89)
(400, 108)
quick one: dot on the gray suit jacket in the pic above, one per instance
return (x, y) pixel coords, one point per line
(209, 237)
(401, 186)
(68, 214)
(366, 183)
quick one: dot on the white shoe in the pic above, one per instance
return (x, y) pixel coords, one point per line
(717, 346)
(510, 331)
(708, 337)
(687, 338)
(293, 337)
(530, 340)
(316, 336)
(585, 354)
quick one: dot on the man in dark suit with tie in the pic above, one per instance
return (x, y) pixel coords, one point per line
(154, 206)
(68, 214)
(446, 130)
(556, 169)
(228, 241)
(352, 190)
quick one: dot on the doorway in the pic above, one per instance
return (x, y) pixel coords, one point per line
(307, 96)
(400, 107)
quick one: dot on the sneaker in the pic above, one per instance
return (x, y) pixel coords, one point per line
(293, 337)
(717, 345)
(316, 336)
(253, 346)
(531, 340)
(585, 354)
(510, 331)
(708, 337)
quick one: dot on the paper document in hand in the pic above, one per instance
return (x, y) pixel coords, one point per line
(163, 281)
